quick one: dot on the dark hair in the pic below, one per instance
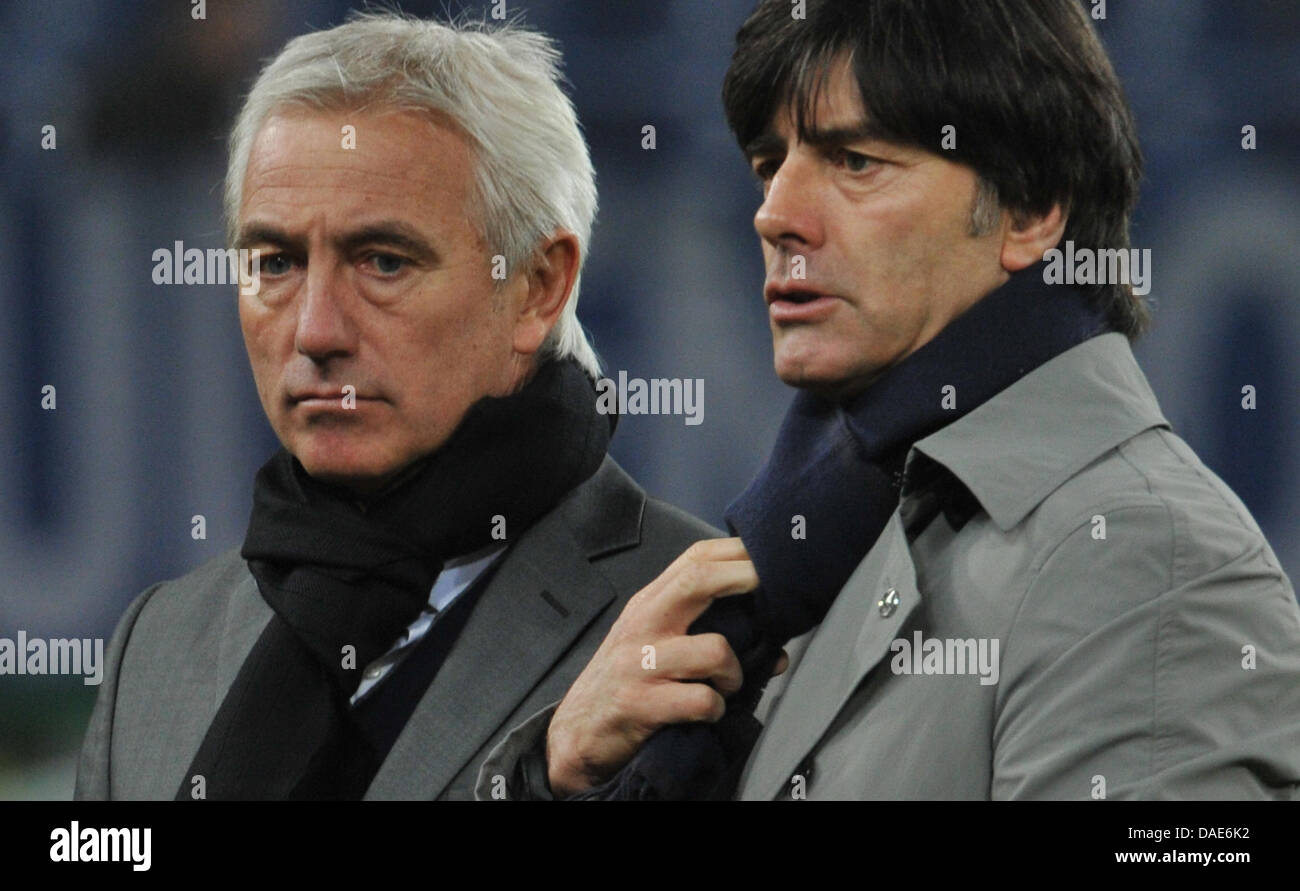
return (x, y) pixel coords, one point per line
(1038, 111)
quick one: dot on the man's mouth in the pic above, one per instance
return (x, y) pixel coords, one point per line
(798, 304)
(321, 395)
(326, 399)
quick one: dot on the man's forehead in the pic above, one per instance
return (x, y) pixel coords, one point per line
(352, 137)
(824, 131)
(299, 194)
(822, 108)
(396, 162)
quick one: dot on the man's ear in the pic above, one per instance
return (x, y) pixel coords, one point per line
(1026, 238)
(553, 269)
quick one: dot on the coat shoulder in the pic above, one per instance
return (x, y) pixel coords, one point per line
(666, 525)
(191, 603)
(1177, 511)
(165, 669)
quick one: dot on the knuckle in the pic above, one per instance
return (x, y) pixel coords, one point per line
(729, 685)
(634, 604)
(625, 700)
(692, 577)
(644, 659)
(716, 650)
(704, 703)
(697, 551)
(635, 617)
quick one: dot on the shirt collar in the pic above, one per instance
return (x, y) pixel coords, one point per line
(1015, 449)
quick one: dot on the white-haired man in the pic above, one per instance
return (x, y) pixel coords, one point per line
(442, 541)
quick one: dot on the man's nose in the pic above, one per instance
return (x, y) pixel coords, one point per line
(791, 213)
(325, 329)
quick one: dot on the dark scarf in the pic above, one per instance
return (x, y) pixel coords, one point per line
(839, 467)
(337, 575)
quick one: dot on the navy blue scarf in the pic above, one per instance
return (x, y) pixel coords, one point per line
(837, 466)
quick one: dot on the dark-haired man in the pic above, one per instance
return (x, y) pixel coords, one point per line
(997, 572)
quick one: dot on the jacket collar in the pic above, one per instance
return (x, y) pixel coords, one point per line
(1019, 446)
(544, 594)
(1010, 453)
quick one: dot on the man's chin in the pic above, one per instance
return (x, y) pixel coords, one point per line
(358, 475)
(826, 380)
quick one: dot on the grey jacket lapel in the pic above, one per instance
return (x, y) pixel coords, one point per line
(855, 635)
(538, 602)
(246, 617)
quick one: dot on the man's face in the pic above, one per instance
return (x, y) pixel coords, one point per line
(884, 233)
(373, 277)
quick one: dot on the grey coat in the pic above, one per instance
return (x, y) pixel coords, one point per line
(1147, 640)
(540, 617)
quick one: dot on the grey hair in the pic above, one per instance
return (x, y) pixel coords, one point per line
(985, 210)
(500, 85)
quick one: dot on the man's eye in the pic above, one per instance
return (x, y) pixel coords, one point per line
(275, 264)
(765, 170)
(387, 264)
(854, 162)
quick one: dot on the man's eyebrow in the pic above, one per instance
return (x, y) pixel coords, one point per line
(765, 143)
(770, 143)
(390, 233)
(263, 233)
(830, 137)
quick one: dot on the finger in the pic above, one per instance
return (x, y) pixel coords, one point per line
(646, 609)
(690, 592)
(683, 702)
(782, 663)
(700, 657)
(714, 549)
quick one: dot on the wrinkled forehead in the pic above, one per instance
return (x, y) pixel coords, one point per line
(363, 131)
(820, 103)
(341, 173)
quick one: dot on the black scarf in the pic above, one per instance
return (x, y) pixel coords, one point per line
(338, 576)
(838, 466)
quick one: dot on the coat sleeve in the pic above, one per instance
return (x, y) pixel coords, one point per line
(516, 768)
(94, 767)
(1151, 663)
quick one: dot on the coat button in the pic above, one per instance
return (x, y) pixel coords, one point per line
(888, 603)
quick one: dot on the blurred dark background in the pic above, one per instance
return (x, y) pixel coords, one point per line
(157, 419)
